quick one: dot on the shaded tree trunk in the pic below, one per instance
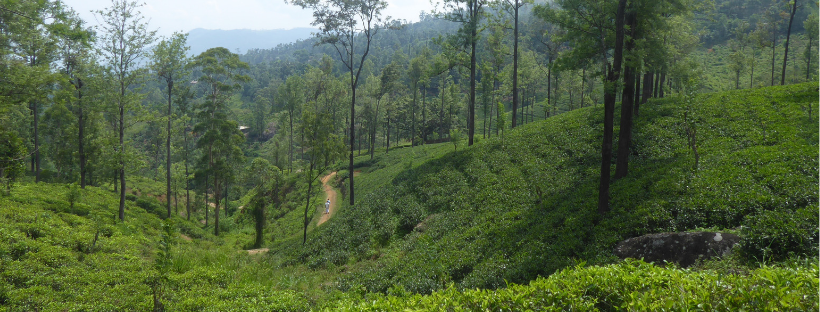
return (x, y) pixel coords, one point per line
(515, 67)
(648, 77)
(662, 82)
(471, 116)
(627, 102)
(637, 97)
(217, 193)
(168, 153)
(81, 138)
(808, 61)
(122, 151)
(774, 45)
(609, 110)
(788, 34)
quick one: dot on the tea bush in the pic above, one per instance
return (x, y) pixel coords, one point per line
(628, 286)
(511, 211)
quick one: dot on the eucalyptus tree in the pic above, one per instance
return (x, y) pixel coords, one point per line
(31, 31)
(184, 99)
(323, 146)
(124, 39)
(342, 24)
(220, 137)
(292, 95)
(388, 85)
(469, 14)
(512, 7)
(588, 24)
(498, 54)
(79, 66)
(794, 6)
(416, 73)
(169, 62)
(811, 26)
(267, 182)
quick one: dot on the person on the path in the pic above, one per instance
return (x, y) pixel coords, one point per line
(327, 206)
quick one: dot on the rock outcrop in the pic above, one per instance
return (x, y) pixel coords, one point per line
(681, 248)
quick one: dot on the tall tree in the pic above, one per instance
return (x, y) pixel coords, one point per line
(468, 13)
(811, 26)
(512, 7)
(292, 94)
(221, 74)
(323, 148)
(416, 73)
(79, 64)
(169, 62)
(794, 6)
(36, 43)
(588, 24)
(342, 23)
(183, 100)
(267, 181)
(123, 42)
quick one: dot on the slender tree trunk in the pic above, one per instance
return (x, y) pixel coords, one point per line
(637, 97)
(441, 113)
(774, 45)
(492, 105)
(627, 102)
(81, 139)
(609, 110)
(808, 61)
(661, 84)
(515, 67)
(352, 130)
(413, 115)
(788, 34)
(168, 153)
(36, 141)
(187, 180)
(423, 114)
(217, 193)
(122, 150)
(205, 197)
(752, 73)
(657, 78)
(471, 116)
(648, 77)
(387, 150)
(549, 91)
(290, 164)
(583, 80)
(307, 205)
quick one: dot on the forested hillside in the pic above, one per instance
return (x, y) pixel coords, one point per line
(490, 145)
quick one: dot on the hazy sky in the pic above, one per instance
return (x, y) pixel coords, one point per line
(184, 15)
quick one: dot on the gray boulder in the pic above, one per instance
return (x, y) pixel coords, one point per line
(681, 248)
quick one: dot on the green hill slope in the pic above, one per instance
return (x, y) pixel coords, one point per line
(514, 210)
(57, 258)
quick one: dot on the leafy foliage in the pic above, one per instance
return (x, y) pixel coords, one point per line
(631, 285)
(511, 212)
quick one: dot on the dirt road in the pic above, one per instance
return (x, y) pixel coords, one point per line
(330, 194)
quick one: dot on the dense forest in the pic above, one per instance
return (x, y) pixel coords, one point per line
(491, 144)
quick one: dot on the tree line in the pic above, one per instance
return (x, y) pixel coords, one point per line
(95, 105)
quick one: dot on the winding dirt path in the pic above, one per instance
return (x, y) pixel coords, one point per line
(331, 194)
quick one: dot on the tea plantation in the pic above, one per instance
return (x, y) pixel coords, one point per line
(505, 225)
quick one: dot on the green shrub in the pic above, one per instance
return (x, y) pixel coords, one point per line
(152, 205)
(628, 286)
(777, 235)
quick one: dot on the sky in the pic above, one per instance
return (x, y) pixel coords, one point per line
(169, 16)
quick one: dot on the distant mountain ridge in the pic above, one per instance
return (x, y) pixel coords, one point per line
(201, 39)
